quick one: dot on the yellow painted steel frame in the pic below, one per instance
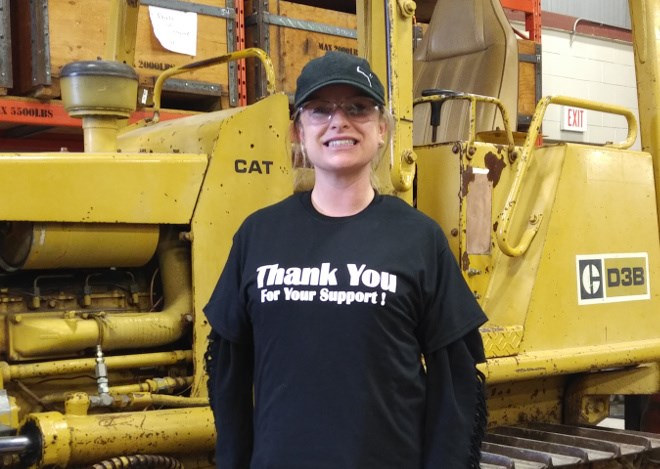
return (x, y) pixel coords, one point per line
(232, 56)
(385, 39)
(122, 31)
(645, 16)
(250, 168)
(587, 398)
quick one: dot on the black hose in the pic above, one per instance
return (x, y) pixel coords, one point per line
(139, 461)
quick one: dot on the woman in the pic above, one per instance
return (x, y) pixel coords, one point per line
(329, 300)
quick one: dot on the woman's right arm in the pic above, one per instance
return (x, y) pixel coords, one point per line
(230, 369)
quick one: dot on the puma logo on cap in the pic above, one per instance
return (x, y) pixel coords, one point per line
(368, 77)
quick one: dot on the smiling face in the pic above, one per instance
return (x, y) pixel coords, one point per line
(346, 143)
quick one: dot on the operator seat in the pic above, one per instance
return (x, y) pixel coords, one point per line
(470, 47)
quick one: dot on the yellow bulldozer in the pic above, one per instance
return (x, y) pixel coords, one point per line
(107, 257)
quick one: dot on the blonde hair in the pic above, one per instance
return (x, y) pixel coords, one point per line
(303, 167)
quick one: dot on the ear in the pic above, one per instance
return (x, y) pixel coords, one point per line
(382, 130)
(300, 132)
(295, 132)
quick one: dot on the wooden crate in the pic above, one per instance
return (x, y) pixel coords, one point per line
(293, 34)
(73, 30)
(6, 74)
(529, 80)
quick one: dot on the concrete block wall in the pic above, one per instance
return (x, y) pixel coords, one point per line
(593, 68)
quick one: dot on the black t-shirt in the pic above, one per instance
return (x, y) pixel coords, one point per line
(338, 310)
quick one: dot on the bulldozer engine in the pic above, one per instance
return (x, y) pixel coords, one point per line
(108, 256)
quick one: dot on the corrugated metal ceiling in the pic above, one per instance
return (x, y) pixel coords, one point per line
(610, 12)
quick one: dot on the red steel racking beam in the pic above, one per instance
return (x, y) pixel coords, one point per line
(26, 111)
(532, 10)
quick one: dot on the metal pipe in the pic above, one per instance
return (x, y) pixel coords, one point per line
(147, 399)
(86, 365)
(251, 52)
(574, 30)
(167, 384)
(14, 444)
(76, 404)
(100, 133)
(156, 385)
(572, 33)
(101, 370)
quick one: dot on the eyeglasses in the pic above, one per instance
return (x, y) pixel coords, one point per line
(358, 109)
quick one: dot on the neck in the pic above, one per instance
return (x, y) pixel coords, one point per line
(341, 198)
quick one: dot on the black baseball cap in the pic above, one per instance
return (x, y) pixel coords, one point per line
(338, 68)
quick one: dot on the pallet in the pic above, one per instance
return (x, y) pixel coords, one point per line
(6, 74)
(64, 31)
(285, 31)
(529, 80)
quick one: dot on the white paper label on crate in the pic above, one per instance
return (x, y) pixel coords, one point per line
(175, 30)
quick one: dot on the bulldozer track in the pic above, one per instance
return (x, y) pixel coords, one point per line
(541, 445)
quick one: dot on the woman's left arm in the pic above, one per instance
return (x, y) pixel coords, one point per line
(456, 411)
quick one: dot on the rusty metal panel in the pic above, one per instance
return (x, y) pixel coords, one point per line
(479, 210)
